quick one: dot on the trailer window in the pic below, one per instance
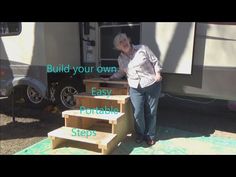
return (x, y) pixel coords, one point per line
(10, 28)
(108, 30)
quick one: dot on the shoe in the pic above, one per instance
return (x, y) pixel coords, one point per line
(150, 142)
(139, 139)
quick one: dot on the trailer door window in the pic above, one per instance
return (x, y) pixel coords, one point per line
(10, 28)
(108, 30)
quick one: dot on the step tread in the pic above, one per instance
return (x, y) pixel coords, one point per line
(76, 113)
(101, 138)
(124, 98)
(98, 80)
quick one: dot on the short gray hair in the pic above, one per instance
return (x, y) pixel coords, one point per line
(118, 38)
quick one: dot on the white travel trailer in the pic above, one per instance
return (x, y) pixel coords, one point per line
(198, 58)
(26, 49)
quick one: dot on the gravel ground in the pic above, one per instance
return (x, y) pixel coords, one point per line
(32, 125)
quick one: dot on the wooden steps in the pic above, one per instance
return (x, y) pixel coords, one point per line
(104, 140)
(110, 116)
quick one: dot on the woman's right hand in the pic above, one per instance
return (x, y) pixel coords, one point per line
(158, 77)
(105, 78)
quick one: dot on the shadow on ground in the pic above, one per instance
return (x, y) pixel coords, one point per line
(30, 122)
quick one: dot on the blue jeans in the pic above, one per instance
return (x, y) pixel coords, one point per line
(145, 102)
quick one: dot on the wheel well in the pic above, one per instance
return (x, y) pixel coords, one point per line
(59, 79)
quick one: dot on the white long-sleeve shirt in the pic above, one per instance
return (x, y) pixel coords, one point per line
(141, 67)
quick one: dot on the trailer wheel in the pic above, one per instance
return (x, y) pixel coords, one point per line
(33, 98)
(65, 95)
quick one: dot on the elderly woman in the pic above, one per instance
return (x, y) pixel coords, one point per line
(142, 69)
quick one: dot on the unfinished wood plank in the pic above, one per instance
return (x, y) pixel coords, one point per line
(87, 102)
(121, 127)
(125, 125)
(129, 116)
(116, 91)
(99, 80)
(87, 123)
(73, 121)
(121, 130)
(92, 149)
(90, 85)
(90, 102)
(66, 133)
(102, 126)
(127, 109)
(93, 102)
(56, 142)
(123, 98)
(77, 113)
(107, 145)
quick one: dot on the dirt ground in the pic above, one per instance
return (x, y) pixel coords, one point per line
(32, 125)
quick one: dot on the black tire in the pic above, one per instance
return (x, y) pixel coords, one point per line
(33, 99)
(65, 95)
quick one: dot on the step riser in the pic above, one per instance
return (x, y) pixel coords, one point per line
(118, 87)
(86, 123)
(103, 108)
(114, 91)
(93, 103)
(101, 149)
(76, 122)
